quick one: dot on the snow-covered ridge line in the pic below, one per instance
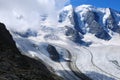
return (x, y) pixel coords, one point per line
(102, 23)
(96, 28)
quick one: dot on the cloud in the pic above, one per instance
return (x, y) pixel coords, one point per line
(23, 14)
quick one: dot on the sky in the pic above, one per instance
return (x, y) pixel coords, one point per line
(21, 15)
(114, 4)
(24, 14)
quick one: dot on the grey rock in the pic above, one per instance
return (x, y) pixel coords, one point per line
(15, 66)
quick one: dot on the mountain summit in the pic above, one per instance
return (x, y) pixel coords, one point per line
(82, 44)
(101, 22)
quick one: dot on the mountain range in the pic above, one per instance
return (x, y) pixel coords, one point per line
(82, 44)
(100, 22)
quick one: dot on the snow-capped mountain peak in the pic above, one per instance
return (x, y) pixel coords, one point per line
(82, 7)
(102, 22)
(84, 25)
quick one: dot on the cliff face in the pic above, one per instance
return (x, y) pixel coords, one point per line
(87, 19)
(15, 66)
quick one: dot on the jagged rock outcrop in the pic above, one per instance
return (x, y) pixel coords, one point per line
(101, 22)
(15, 66)
(111, 22)
(77, 23)
(54, 55)
(73, 35)
(94, 27)
(99, 32)
(89, 17)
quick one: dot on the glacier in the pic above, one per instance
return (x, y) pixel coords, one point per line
(86, 38)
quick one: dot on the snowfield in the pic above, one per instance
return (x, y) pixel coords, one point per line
(87, 39)
(97, 61)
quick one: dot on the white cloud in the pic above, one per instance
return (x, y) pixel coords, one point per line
(24, 14)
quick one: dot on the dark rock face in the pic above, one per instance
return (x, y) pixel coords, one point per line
(5, 36)
(99, 32)
(102, 23)
(73, 34)
(76, 23)
(111, 23)
(15, 66)
(89, 17)
(62, 16)
(54, 55)
(92, 19)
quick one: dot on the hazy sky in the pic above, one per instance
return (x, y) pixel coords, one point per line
(23, 14)
(115, 4)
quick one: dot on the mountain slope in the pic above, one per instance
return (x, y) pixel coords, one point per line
(101, 22)
(15, 66)
(81, 38)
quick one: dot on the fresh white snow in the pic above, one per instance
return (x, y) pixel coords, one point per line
(100, 61)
